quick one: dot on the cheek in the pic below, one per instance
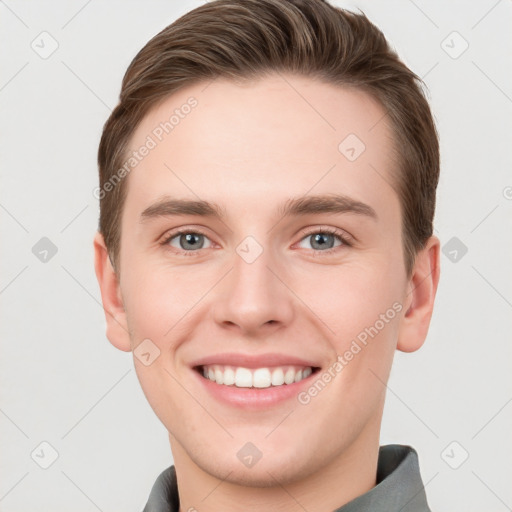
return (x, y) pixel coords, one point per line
(353, 297)
(363, 307)
(160, 308)
(159, 300)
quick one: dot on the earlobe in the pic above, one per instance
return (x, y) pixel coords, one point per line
(117, 329)
(420, 298)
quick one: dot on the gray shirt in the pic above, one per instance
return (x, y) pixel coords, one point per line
(399, 486)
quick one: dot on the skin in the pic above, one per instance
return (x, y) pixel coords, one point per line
(250, 147)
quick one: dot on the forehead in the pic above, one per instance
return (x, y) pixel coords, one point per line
(263, 140)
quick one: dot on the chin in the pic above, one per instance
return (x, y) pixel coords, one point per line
(271, 470)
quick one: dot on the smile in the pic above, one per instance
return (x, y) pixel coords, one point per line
(241, 377)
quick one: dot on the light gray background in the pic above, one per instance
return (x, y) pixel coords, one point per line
(64, 384)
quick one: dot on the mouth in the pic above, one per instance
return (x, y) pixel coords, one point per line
(257, 378)
(254, 381)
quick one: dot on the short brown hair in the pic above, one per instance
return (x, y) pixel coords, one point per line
(241, 39)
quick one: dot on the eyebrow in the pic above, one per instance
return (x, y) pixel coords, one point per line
(306, 205)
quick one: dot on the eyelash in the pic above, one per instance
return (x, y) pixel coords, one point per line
(342, 237)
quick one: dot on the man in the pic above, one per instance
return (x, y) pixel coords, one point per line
(267, 190)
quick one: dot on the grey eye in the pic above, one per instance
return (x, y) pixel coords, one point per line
(321, 240)
(188, 241)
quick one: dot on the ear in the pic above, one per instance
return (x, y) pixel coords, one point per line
(419, 301)
(117, 327)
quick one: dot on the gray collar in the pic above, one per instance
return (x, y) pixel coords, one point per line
(399, 486)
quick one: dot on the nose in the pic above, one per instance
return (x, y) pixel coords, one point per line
(254, 298)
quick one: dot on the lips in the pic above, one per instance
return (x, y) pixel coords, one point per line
(250, 371)
(254, 382)
(252, 361)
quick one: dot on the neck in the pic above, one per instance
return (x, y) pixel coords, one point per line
(349, 475)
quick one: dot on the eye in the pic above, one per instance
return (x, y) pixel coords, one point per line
(323, 240)
(187, 241)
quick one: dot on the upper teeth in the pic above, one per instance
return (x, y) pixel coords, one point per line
(257, 377)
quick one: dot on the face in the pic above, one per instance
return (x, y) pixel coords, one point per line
(290, 269)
